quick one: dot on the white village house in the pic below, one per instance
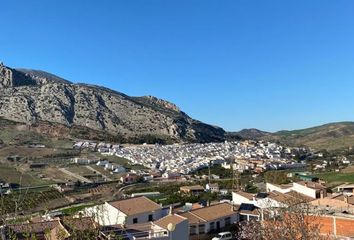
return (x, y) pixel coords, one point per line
(130, 211)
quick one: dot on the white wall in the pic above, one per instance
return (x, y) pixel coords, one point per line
(234, 218)
(270, 188)
(238, 199)
(304, 190)
(144, 217)
(105, 215)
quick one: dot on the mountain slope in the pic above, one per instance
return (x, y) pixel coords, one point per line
(251, 134)
(329, 136)
(36, 97)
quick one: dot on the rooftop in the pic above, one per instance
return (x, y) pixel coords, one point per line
(174, 219)
(312, 185)
(209, 213)
(249, 196)
(195, 187)
(134, 206)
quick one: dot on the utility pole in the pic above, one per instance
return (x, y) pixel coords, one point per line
(236, 178)
(209, 178)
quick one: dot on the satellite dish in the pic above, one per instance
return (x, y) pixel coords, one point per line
(171, 227)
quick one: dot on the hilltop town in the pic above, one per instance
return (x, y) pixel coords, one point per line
(179, 191)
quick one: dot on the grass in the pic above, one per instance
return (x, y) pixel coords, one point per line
(334, 177)
(73, 210)
(11, 175)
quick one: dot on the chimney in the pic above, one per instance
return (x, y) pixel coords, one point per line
(346, 198)
(171, 210)
(322, 194)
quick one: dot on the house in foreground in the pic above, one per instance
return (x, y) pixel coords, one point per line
(212, 218)
(310, 189)
(158, 230)
(181, 225)
(125, 212)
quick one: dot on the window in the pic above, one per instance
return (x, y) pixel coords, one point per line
(201, 228)
(228, 221)
(135, 220)
(212, 226)
(193, 230)
(227, 236)
(151, 218)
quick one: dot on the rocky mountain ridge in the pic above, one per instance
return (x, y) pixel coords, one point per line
(33, 97)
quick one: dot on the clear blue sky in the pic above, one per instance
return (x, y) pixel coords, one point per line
(237, 64)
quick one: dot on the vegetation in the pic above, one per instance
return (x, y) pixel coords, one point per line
(333, 136)
(294, 221)
(11, 175)
(336, 177)
(170, 194)
(216, 170)
(72, 210)
(276, 177)
(24, 201)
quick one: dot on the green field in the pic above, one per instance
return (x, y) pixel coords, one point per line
(75, 209)
(337, 177)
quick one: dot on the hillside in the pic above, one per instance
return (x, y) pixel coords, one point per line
(331, 136)
(49, 104)
(251, 133)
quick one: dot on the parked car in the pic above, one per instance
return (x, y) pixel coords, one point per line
(223, 236)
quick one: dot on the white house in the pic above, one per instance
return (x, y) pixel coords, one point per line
(102, 163)
(110, 166)
(212, 187)
(212, 218)
(129, 211)
(241, 197)
(83, 161)
(119, 169)
(285, 188)
(269, 200)
(181, 225)
(171, 175)
(309, 189)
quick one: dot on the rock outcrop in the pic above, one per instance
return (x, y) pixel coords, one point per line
(32, 97)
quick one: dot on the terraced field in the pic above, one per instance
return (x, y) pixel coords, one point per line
(10, 174)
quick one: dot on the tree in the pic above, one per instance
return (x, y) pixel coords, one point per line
(293, 221)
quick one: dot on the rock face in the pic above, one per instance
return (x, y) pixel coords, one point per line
(32, 97)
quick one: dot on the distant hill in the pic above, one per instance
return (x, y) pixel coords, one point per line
(251, 134)
(330, 136)
(51, 104)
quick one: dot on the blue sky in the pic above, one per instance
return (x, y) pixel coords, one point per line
(238, 64)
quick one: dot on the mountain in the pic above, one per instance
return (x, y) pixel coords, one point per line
(332, 136)
(251, 134)
(48, 103)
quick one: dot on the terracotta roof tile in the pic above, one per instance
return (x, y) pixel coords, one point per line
(134, 206)
(210, 213)
(174, 219)
(249, 196)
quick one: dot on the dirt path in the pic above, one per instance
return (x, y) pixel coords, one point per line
(81, 178)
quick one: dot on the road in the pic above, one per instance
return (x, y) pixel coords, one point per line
(77, 176)
(94, 170)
